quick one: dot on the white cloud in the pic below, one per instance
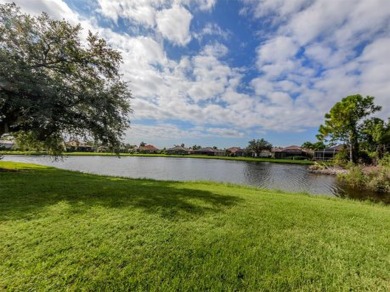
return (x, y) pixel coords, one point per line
(56, 9)
(212, 29)
(279, 8)
(311, 59)
(205, 4)
(163, 133)
(375, 71)
(225, 132)
(278, 49)
(141, 11)
(174, 24)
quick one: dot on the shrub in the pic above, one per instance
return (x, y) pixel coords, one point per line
(380, 181)
(377, 180)
(341, 158)
(364, 157)
(385, 161)
(355, 178)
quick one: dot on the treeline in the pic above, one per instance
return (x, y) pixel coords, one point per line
(366, 139)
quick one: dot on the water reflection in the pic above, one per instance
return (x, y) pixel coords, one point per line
(291, 178)
(344, 191)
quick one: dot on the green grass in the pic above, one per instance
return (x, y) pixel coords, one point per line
(62, 230)
(249, 159)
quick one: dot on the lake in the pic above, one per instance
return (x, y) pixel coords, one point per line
(286, 177)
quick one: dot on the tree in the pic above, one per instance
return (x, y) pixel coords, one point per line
(196, 147)
(54, 84)
(257, 146)
(313, 146)
(343, 122)
(376, 135)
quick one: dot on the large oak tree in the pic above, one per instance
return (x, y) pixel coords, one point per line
(53, 83)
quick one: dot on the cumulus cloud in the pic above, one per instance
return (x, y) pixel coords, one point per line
(205, 4)
(142, 12)
(212, 29)
(277, 8)
(174, 24)
(322, 51)
(56, 9)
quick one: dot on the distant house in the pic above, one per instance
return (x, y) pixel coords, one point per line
(235, 152)
(209, 151)
(103, 149)
(75, 145)
(262, 154)
(290, 152)
(132, 149)
(178, 150)
(148, 149)
(328, 153)
(265, 154)
(6, 144)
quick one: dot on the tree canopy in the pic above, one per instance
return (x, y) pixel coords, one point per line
(314, 146)
(376, 135)
(344, 122)
(55, 84)
(257, 146)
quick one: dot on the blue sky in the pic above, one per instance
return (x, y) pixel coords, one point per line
(222, 72)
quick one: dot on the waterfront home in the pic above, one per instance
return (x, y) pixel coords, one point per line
(6, 145)
(7, 142)
(76, 145)
(148, 149)
(209, 151)
(235, 152)
(290, 152)
(328, 153)
(178, 150)
(265, 154)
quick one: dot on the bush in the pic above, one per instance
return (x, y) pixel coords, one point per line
(355, 178)
(385, 161)
(380, 181)
(377, 180)
(365, 158)
(341, 158)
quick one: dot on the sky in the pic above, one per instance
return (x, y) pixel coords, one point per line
(223, 72)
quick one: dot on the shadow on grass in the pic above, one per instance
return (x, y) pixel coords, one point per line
(23, 195)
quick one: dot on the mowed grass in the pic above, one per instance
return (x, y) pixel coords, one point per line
(62, 230)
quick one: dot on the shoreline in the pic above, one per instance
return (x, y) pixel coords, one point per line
(245, 159)
(328, 170)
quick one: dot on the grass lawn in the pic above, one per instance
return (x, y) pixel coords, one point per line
(63, 230)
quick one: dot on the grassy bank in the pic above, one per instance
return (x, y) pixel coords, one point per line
(65, 230)
(249, 159)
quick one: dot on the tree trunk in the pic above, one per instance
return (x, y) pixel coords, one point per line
(353, 148)
(3, 128)
(350, 148)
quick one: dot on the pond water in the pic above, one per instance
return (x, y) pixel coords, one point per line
(286, 177)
